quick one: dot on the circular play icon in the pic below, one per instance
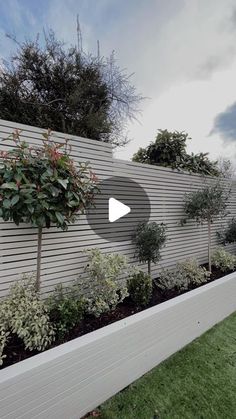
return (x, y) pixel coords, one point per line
(121, 204)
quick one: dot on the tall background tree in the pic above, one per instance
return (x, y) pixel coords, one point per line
(53, 86)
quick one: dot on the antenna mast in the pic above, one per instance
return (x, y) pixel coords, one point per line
(79, 36)
(98, 49)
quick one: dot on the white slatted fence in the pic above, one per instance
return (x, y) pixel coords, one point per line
(62, 256)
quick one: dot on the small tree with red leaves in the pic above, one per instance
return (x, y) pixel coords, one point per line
(42, 186)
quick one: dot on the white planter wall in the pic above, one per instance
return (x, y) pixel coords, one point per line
(68, 381)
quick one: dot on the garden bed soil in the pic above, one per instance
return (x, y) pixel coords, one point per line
(16, 352)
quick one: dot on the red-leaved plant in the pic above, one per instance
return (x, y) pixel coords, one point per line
(41, 185)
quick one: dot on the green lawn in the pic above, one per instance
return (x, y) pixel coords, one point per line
(197, 382)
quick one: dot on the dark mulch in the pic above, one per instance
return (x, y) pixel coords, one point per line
(15, 351)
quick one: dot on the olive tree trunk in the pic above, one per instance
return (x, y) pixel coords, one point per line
(209, 244)
(38, 275)
(149, 268)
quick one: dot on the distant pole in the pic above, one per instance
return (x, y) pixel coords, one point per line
(98, 49)
(79, 35)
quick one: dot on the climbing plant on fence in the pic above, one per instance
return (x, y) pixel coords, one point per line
(42, 186)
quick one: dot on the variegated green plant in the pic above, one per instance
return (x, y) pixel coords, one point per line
(223, 260)
(185, 275)
(24, 314)
(103, 287)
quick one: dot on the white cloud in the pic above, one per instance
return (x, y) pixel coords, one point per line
(191, 71)
(183, 56)
(189, 106)
(169, 42)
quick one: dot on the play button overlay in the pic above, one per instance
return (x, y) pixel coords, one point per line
(119, 207)
(117, 210)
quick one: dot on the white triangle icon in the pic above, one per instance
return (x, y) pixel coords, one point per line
(117, 209)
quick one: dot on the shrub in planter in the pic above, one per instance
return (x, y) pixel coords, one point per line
(101, 289)
(185, 275)
(149, 238)
(66, 309)
(223, 260)
(24, 314)
(140, 288)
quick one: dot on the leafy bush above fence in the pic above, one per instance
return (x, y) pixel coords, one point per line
(185, 275)
(101, 289)
(140, 288)
(169, 150)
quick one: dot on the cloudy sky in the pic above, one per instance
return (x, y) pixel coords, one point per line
(183, 54)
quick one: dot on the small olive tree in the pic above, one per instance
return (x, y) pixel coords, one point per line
(42, 186)
(149, 238)
(205, 204)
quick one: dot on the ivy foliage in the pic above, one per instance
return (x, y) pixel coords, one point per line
(41, 185)
(169, 150)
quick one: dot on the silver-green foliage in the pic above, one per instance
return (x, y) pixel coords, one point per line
(223, 260)
(101, 289)
(23, 313)
(207, 203)
(183, 276)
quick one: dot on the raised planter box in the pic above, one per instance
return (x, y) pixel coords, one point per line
(68, 381)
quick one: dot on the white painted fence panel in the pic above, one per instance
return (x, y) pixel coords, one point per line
(74, 378)
(62, 256)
